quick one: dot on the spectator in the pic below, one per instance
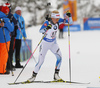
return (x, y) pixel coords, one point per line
(10, 65)
(20, 33)
(5, 28)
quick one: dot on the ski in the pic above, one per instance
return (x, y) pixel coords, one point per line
(27, 82)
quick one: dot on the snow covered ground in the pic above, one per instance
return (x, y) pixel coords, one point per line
(85, 61)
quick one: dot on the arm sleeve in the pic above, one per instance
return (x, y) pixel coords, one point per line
(14, 21)
(11, 17)
(8, 25)
(24, 32)
(66, 22)
(61, 21)
(70, 20)
(43, 28)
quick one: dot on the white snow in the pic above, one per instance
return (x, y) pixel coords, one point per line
(97, 2)
(85, 62)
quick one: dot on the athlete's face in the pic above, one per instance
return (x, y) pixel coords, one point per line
(55, 20)
(18, 12)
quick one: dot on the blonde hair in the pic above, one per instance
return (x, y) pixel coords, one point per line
(55, 11)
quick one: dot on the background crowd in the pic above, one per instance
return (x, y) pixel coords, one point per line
(12, 30)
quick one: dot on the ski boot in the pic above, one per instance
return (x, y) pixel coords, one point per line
(56, 76)
(32, 78)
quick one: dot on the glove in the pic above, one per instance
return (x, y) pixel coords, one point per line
(68, 14)
(49, 27)
(16, 27)
(47, 17)
(24, 38)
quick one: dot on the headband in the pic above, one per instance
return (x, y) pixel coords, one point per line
(55, 15)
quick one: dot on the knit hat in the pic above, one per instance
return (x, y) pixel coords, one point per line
(5, 9)
(17, 8)
(7, 4)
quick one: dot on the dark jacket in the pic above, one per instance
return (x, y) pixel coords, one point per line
(12, 19)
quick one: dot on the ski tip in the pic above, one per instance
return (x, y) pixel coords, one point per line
(11, 83)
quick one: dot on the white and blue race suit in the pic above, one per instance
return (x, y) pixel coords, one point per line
(49, 43)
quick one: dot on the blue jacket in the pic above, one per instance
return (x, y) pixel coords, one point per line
(8, 27)
(21, 26)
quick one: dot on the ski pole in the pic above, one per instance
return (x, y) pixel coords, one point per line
(69, 51)
(8, 53)
(48, 4)
(27, 45)
(47, 14)
(30, 56)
